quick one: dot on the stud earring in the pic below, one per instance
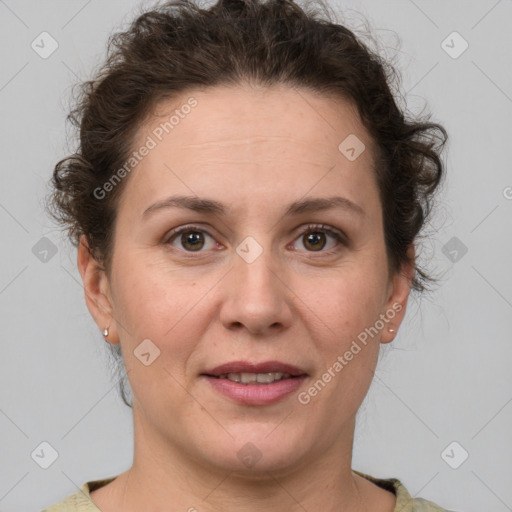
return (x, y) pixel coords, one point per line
(391, 330)
(105, 332)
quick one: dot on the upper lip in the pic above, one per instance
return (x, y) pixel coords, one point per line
(248, 367)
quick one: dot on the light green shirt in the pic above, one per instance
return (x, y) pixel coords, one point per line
(81, 501)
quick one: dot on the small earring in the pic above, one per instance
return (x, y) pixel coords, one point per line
(391, 330)
(105, 332)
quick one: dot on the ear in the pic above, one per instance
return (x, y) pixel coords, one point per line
(396, 304)
(97, 290)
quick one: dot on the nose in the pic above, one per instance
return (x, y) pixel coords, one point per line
(256, 297)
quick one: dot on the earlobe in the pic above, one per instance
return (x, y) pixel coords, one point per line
(96, 289)
(396, 304)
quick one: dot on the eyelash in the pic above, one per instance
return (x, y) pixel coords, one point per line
(313, 228)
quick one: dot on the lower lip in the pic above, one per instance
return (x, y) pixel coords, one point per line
(256, 394)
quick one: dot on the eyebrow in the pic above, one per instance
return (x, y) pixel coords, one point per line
(210, 206)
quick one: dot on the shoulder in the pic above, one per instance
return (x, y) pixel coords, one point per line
(80, 501)
(404, 501)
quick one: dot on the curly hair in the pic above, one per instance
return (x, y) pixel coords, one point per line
(178, 45)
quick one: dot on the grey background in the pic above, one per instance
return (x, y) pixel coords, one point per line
(447, 376)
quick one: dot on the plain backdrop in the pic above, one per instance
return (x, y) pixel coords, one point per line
(439, 412)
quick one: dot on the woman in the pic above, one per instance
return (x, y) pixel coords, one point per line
(245, 201)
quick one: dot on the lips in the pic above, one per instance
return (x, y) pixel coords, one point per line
(248, 367)
(236, 380)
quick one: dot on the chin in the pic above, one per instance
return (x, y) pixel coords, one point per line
(256, 451)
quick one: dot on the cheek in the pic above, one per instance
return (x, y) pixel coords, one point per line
(352, 299)
(157, 302)
(343, 309)
(346, 308)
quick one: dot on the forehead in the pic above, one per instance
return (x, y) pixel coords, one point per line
(254, 144)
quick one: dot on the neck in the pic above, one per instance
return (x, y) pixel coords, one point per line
(163, 474)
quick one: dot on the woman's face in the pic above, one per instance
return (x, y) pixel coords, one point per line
(248, 281)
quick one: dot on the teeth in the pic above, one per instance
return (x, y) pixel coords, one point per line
(248, 378)
(259, 378)
(265, 378)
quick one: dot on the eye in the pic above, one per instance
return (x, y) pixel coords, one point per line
(315, 238)
(191, 238)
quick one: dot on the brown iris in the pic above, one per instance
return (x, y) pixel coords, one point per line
(192, 240)
(313, 239)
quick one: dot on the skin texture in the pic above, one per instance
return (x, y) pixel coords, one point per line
(256, 150)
